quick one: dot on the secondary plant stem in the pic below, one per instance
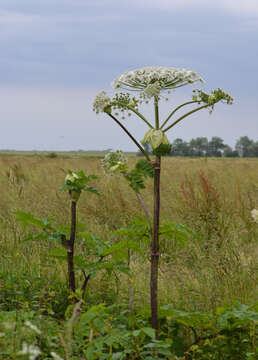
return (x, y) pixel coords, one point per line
(175, 110)
(130, 136)
(70, 252)
(184, 116)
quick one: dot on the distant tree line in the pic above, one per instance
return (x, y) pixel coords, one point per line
(202, 147)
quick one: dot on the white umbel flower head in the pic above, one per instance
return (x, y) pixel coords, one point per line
(150, 80)
(102, 103)
(32, 351)
(113, 161)
(32, 327)
(254, 214)
(55, 356)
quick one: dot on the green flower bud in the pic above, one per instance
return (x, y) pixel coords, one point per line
(155, 138)
(146, 136)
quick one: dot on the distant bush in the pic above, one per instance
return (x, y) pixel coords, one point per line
(52, 155)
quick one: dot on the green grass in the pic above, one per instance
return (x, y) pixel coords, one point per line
(213, 197)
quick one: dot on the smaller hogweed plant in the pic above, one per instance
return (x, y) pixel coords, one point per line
(95, 255)
(149, 84)
(75, 183)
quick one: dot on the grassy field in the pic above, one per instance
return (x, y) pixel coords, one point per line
(213, 197)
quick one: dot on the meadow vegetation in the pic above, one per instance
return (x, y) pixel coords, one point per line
(207, 279)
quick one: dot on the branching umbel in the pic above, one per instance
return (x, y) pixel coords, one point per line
(148, 84)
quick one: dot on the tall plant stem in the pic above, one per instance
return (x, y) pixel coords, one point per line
(70, 252)
(156, 107)
(155, 248)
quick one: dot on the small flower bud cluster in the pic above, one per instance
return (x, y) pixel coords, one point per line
(220, 95)
(254, 214)
(212, 98)
(155, 138)
(114, 161)
(71, 177)
(102, 103)
(123, 102)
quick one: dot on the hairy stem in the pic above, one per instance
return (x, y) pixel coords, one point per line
(155, 247)
(156, 107)
(70, 251)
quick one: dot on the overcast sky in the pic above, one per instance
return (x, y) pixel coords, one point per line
(56, 55)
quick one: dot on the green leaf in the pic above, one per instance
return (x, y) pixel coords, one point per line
(149, 331)
(92, 313)
(145, 167)
(235, 316)
(92, 190)
(195, 319)
(34, 237)
(181, 233)
(121, 245)
(118, 356)
(29, 219)
(136, 333)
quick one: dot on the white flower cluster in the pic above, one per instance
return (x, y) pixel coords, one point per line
(71, 177)
(152, 89)
(55, 356)
(254, 214)
(151, 80)
(32, 327)
(101, 102)
(113, 161)
(32, 351)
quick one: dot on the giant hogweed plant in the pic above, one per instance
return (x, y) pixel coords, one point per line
(148, 85)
